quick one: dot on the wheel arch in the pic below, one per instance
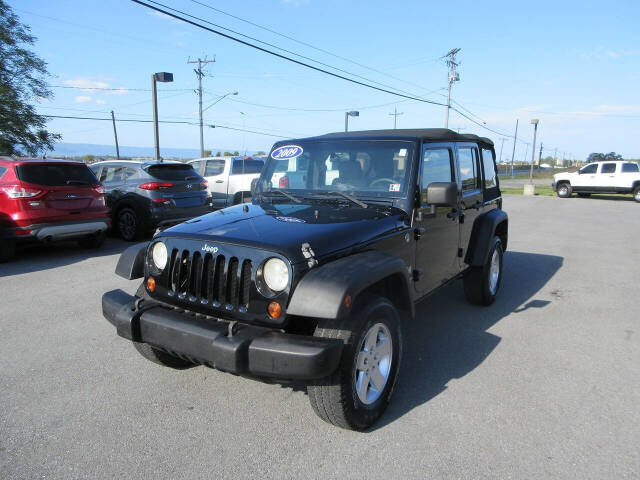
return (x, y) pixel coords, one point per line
(323, 291)
(485, 227)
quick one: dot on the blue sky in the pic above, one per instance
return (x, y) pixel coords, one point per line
(573, 65)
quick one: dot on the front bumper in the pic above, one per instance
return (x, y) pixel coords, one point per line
(229, 346)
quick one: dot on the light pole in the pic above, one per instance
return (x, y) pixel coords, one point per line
(157, 77)
(533, 150)
(352, 113)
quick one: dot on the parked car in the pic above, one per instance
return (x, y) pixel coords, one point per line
(45, 200)
(145, 195)
(316, 283)
(229, 178)
(599, 177)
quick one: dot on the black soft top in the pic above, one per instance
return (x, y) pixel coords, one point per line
(425, 134)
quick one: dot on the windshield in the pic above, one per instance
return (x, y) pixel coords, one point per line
(377, 168)
(56, 174)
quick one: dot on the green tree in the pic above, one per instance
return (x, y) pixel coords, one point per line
(218, 154)
(88, 158)
(207, 153)
(22, 83)
(260, 153)
(227, 154)
(236, 153)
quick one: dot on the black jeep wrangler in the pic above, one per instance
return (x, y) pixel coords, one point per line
(315, 277)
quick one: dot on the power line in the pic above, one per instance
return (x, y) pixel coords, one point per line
(304, 43)
(284, 57)
(120, 89)
(161, 121)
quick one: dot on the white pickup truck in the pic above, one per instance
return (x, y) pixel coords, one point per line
(599, 177)
(229, 178)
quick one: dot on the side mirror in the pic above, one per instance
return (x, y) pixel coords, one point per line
(442, 194)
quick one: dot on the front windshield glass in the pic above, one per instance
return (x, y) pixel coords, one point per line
(374, 168)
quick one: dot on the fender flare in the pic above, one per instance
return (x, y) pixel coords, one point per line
(322, 291)
(131, 262)
(484, 229)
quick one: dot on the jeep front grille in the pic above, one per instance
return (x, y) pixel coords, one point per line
(210, 279)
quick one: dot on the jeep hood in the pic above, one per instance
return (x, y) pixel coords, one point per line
(283, 228)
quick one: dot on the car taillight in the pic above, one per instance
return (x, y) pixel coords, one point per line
(204, 185)
(99, 188)
(155, 185)
(284, 182)
(163, 201)
(16, 191)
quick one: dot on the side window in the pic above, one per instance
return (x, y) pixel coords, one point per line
(129, 172)
(608, 168)
(593, 168)
(95, 169)
(196, 165)
(112, 174)
(214, 167)
(489, 168)
(467, 160)
(2, 170)
(630, 167)
(437, 166)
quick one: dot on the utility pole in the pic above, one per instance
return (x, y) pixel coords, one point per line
(534, 122)
(555, 157)
(453, 77)
(115, 134)
(540, 155)
(515, 139)
(395, 116)
(501, 145)
(200, 74)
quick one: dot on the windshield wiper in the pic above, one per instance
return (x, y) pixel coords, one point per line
(351, 198)
(288, 195)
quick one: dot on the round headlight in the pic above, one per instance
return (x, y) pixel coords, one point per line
(159, 255)
(276, 274)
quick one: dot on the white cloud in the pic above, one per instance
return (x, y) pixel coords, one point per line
(101, 102)
(608, 53)
(83, 99)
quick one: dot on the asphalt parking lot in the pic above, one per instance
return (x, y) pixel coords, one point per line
(543, 384)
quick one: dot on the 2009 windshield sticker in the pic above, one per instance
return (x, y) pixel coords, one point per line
(394, 187)
(286, 152)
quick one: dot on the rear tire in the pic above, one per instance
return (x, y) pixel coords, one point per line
(636, 194)
(129, 224)
(564, 190)
(481, 284)
(240, 197)
(92, 241)
(358, 392)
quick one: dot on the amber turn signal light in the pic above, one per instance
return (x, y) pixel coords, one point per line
(275, 310)
(151, 284)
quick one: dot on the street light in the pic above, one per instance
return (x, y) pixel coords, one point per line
(530, 189)
(220, 98)
(163, 77)
(353, 113)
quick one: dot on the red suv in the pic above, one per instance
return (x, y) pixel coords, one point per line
(45, 200)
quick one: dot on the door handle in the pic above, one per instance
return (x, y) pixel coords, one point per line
(219, 181)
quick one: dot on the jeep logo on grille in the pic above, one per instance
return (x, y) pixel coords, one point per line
(209, 248)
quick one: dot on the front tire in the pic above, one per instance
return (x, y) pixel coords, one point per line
(358, 392)
(161, 358)
(564, 190)
(636, 194)
(481, 284)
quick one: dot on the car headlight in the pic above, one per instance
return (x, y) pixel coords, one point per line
(275, 274)
(159, 255)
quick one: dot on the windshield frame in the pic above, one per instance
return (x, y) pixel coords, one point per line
(413, 145)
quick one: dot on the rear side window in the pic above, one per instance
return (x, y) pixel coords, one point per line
(214, 167)
(172, 171)
(468, 168)
(608, 168)
(56, 174)
(112, 174)
(489, 168)
(626, 168)
(2, 170)
(247, 166)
